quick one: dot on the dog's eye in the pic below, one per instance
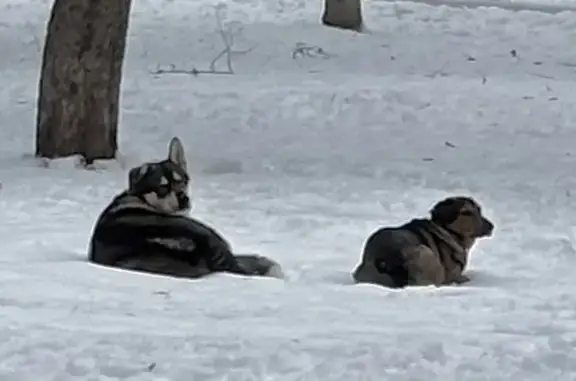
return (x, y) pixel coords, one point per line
(163, 190)
(180, 186)
(466, 213)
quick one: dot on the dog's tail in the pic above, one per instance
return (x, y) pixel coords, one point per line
(370, 273)
(260, 265)
(275, 271)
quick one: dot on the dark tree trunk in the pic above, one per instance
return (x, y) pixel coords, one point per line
(79, 91)
(345, 14)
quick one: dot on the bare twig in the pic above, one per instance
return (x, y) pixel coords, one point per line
(228, 39)
(304, 50)
(439, 72)
(35, 39)
(173, 70)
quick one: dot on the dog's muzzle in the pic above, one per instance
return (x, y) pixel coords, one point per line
(487, 228)
(183, 200)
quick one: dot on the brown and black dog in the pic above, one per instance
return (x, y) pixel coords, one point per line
(425, 252)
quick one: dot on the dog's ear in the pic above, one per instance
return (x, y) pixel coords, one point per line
(136, 175)
(446, 211)
(176, 153)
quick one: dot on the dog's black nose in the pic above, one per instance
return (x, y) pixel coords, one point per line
(487, 227)
(183, 200)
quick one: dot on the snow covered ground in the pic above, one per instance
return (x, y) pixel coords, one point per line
(300, 159)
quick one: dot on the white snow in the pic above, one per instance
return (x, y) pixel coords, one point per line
(300, 159)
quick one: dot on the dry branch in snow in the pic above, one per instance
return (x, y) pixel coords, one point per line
(227, 52)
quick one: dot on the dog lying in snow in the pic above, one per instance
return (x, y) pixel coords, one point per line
(145, 228)
(425, 252)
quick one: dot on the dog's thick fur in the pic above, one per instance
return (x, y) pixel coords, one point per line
(425, 252)
(145, 228)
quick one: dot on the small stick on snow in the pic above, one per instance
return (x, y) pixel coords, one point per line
(304, 50)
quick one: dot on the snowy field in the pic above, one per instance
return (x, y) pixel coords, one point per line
(300, 158)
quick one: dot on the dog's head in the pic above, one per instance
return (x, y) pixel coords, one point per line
(463, 216)
(163, 185)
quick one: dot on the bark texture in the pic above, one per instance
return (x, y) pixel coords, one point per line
(79, 90)
(345, 14)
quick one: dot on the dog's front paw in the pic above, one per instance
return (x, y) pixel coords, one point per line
(275, 271)
(460, 279)
(456, 279)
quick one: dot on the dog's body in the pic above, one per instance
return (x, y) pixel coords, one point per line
(425, 252)
(145, 229)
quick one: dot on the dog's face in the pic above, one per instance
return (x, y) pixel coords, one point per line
(163, 185)
(463, 216)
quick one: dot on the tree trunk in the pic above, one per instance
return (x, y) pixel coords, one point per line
(79, 90)
(345, 14)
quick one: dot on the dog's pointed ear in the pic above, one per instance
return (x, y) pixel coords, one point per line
(136, 175)
(176, 153)
(446, 211)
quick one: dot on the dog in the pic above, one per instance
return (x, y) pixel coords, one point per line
(147, 228)
(425, 252)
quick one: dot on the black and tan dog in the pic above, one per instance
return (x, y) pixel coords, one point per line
(425, 252)
(146, 228)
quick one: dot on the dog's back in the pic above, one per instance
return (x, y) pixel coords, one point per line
(382, 258)
(107, 247)
(130, 234)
